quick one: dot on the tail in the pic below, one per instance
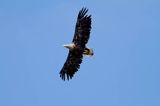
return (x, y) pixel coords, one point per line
(88, 52)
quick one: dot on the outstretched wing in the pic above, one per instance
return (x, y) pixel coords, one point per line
(81, 36)
(82, 29)
(72, 64)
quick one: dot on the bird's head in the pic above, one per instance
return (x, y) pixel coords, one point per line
(69, 46)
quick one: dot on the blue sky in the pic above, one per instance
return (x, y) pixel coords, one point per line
(124, 71)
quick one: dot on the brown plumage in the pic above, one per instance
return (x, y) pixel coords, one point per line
(80, 39)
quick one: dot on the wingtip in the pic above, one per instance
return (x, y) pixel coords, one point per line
(82, 12)
(84, 9)
(63, 76)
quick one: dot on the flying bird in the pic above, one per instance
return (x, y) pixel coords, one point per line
(78, 46)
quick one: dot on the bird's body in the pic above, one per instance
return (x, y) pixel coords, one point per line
(78, 46)
(86, 51)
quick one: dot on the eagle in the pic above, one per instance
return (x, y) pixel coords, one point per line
(77, 49)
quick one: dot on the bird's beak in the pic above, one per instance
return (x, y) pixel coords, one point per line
(66, 46)
(69, 46)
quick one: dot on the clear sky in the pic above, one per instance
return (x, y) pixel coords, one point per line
(125, 70)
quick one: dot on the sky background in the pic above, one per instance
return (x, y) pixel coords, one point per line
(125, 68)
